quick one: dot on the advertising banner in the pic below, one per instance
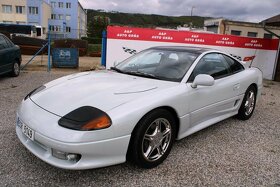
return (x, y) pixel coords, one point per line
(122, 42)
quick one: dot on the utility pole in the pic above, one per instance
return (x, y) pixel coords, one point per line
(193, 7)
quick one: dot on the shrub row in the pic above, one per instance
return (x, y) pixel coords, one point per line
(93, 40)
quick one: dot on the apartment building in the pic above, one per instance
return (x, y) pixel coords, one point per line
(38, 14)
(13, 11)
(238, 28)
(64, 18)
(68, 19)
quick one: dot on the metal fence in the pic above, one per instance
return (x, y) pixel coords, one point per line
(54, 40)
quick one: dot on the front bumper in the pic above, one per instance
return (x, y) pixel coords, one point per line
(97, 148)
(93, 154)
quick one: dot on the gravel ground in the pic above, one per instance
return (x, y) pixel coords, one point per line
(230, 153)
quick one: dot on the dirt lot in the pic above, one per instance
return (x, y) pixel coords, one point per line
(230, 153)
(40, 63)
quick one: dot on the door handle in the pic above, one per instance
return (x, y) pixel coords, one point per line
(236, 87)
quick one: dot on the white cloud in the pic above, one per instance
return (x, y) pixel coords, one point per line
(245, 10)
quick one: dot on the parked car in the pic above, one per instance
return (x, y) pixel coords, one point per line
(136, 110)
(10, 56)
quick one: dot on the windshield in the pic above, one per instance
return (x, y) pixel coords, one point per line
(160, 64)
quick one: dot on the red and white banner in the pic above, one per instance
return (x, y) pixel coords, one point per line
(123, 42)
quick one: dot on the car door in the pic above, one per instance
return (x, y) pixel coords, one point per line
(6, 55)
(207, 103)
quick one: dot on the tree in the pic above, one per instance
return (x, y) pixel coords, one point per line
(97, 25)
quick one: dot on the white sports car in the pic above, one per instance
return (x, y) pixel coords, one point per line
(136, 110)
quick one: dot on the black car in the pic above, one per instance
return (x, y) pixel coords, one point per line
(10, 57)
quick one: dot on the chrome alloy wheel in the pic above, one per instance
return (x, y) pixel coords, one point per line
(156, 139)
(250, 103)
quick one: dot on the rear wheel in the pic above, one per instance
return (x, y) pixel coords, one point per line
(248, 104)
(152, 139)
(16, 69)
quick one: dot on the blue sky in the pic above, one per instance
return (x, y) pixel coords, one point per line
(243, 10)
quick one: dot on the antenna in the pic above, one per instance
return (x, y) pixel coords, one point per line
(253, 58)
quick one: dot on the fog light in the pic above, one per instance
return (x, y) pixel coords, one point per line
(59, 154)
(66, 156)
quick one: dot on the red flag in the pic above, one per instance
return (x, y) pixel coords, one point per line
(249, 58)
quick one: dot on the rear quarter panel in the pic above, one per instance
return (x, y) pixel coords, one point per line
(17, 53)
(251, 76)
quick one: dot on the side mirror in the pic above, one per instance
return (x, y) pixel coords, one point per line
(203, 80)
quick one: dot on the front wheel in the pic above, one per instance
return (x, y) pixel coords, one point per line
(152, 139)
(248, 104)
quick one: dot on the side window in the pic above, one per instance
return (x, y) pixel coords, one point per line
(3, 43)
(9, 43)
(235, 66)
(211, 64)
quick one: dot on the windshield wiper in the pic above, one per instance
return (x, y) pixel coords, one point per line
(142, 74)
(137, 73)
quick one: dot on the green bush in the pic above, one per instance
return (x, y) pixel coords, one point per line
(94, 48)
(93, 40)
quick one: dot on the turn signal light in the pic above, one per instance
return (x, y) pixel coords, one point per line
(99, 123)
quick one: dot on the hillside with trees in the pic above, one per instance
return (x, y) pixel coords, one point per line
(99, 19)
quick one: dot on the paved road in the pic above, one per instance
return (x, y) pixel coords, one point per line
(230, 153)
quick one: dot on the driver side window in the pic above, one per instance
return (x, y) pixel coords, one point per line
(211, 64)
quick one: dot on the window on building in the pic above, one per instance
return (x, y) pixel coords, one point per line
(68, 29)
(60, 4)
(235, 32)
(68, 17)
(51, 28)
(20, 9)
(53, 16)
(33, 10)
(68, 5)
(267, 36)
(10, 22)
(55, 28)
(213, 29)
(58, 28)
(53, 4)
(252, 34)
(7, 9)
(60, 16)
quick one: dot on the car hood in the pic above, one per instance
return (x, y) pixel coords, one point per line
(102, 89)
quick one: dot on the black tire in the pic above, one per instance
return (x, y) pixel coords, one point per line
(244, 113)
(16, 69)
(161, 143)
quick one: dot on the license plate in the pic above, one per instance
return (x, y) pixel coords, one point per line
(27, 131)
